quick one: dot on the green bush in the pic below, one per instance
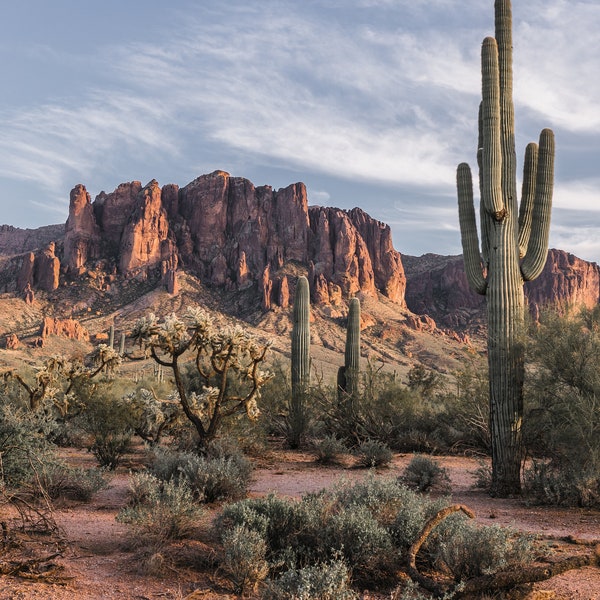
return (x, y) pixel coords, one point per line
(544, 483)
(328, 450)
(244, 552)
(562, 420)
(23, 443)
(160, 511)
(365, 545)
(468, 550)
(366, 527)
(372, 453)
(425, 474)
(327, 581)
(61, 481)
(109, 422)
(221, 477)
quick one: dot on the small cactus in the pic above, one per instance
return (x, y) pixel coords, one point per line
(111, 337)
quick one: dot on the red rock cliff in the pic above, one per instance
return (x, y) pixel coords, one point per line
(234, 235)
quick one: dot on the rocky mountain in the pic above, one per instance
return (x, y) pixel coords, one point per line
(437, 286)
(238, 249)
(232, 235)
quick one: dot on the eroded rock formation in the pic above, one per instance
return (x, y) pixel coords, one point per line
(69, 328)
(235, 236)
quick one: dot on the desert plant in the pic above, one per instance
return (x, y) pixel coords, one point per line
(468, 550)
(326, 581)
(61, 481)
(210, 478)
(162, 511)
(328, 450)
(563, 428)
(297, 415)
(244, 552)
(227, 359)
(514, 243)
(152, 417)
(424, 474)
(349, 374)
(373, 453)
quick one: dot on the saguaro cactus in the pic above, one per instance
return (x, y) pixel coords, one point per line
(300, 361)
(514, 243)
(348, 375)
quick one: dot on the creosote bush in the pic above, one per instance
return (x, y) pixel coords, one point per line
(160, 511)
(562, 429)
(367, 527)
(244, 552)
(424, 474)
(328, 450)
(325, 581)
(225, 476)
(373, 453)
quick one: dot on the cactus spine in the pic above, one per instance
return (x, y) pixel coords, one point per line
(514, 243)
(300, 361)
(348, 376)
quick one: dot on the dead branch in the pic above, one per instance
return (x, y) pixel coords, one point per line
(532, 574)
(422, 580)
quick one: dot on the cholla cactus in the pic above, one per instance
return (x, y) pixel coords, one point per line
(218, 354)
(514, 243)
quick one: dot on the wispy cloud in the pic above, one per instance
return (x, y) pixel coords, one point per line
(376, 91)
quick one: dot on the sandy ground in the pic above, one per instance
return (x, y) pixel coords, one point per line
(97, 563)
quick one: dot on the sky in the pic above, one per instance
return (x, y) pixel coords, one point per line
(370, 103)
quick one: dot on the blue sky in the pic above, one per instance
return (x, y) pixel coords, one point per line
(370, 103)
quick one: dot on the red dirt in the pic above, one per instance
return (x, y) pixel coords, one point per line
(100, 566)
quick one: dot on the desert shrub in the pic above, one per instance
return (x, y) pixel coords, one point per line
(328, 450)
(218, 478)
(109, 422)
(365, 545)
(24, 443)
(373, 453)
(326, 581)
(222, 477)
(61, 481)
(161, 511)
(425, 474)
(276, 520)
(562, 423)
(227, 360)
(244, 552)
(544, 483)
(468, 550)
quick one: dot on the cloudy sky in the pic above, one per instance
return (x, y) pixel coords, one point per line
(370, 103)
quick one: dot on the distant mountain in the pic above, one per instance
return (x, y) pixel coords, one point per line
(238, 249)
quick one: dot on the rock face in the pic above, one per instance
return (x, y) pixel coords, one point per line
(41, 270)
(69, 328)
(437, 285)
(235, 236)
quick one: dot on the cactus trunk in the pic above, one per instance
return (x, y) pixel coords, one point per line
(348, 375)
(300, 362)
(514, 244)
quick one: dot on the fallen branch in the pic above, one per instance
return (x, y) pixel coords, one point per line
(422, 580)
(523, 575)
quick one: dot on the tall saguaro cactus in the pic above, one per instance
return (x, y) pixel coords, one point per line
(300, 361)
(348, 375)
(514, 243)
